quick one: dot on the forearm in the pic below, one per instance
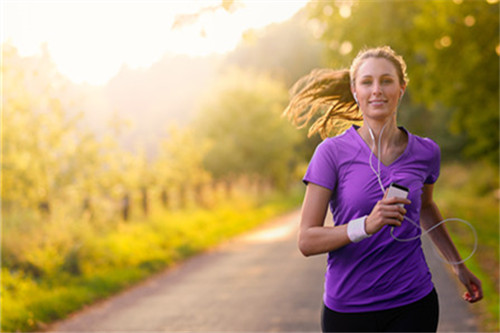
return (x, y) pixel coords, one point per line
(430, 216)
(322, 239)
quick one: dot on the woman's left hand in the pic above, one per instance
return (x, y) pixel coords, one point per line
(474, 291)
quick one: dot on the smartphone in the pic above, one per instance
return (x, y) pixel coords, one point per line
(399, 191)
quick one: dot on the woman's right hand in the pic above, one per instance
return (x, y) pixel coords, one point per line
(386, 212)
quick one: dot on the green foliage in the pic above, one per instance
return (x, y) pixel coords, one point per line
(242, 121)
(80, 263)
(180, 159)
(48, 157)
(39, 145)
(451, 48)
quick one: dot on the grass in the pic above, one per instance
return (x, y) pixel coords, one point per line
(60, 267)
(470, 192)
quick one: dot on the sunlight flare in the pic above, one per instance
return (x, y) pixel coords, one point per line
(91, 41)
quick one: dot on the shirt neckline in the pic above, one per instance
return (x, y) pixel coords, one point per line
(365, 146)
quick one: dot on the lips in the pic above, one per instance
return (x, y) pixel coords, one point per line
(377, 102)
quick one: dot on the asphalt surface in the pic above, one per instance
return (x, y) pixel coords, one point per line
(255, 283)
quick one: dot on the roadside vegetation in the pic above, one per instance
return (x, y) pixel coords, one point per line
(75, 263)
(470, 192)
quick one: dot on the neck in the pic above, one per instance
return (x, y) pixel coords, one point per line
(389, 131)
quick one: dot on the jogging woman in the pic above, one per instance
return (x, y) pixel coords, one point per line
(377, 278)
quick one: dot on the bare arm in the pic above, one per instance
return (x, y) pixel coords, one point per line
(314, 237)
(430, 216)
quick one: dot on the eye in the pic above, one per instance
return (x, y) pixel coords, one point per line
(387, 81)
(366, 82)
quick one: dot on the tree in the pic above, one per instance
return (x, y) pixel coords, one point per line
(451, 48)
(180, 161)
(242, 120)
(44, 151)
(48, 156)
(285, 51)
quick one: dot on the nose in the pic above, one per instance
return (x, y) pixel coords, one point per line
(377, 89)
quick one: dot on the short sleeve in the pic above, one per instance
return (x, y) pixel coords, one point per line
(322, 169)
(434, 163)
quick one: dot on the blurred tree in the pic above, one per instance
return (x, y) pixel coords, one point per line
(133, 177)
(180, 161)
(43, 150)
(242, 120)
(48, 157)
(451, 48)
(285, 51)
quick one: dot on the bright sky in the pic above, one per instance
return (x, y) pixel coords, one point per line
(90, 40)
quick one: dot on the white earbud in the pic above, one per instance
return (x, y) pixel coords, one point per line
(355, 98)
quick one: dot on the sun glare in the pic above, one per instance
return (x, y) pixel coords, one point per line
(90, 41)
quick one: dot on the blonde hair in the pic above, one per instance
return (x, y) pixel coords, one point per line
(324, 98)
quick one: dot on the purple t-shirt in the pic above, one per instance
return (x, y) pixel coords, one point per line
(379, 272)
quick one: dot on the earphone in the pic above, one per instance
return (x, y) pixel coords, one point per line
(377, 173)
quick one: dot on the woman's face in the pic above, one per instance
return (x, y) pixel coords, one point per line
(377, 88)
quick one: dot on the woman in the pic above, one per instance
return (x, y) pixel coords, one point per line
(377, 278)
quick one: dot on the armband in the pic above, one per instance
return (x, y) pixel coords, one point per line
(356, 229)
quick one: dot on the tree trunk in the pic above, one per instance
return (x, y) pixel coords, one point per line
(126, 207)
(145, 201)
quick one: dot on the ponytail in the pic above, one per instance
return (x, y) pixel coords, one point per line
(323, 99)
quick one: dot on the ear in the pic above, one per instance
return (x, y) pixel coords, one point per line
(402, 90)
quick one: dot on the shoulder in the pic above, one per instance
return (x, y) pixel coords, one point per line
(428, 153)
(423, 145)
(338, 143)
(326, 160)
(326, 151)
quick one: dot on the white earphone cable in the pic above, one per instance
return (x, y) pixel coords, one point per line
(417, 225)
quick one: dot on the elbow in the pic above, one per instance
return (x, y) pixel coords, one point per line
(305, 251)
(304, 247)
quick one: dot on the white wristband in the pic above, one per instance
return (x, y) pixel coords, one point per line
(356, 229)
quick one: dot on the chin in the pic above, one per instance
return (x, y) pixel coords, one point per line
(379, 115)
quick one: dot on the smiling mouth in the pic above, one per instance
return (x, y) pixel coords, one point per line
(377, 102)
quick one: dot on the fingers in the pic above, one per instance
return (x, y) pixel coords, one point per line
(392, 217)
(384, 215)
(388, 211)
(472, 296)
(394, 212)
(474, 292)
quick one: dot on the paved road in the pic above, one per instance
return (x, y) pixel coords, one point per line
(255, 283)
